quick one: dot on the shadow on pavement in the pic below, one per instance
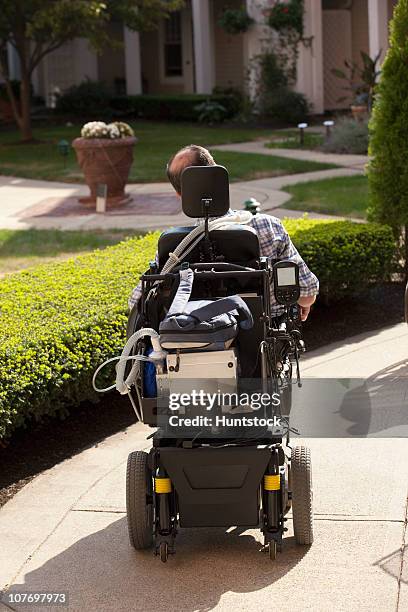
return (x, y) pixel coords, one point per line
(378, 406)
(101, 571)
(396, 564)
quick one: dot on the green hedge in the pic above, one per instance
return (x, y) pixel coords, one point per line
(58, 322)
(171, 107)
(61, 320)
(345, 256)
(93, 97)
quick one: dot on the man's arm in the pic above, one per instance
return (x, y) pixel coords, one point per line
(309, 284)
(275, 242)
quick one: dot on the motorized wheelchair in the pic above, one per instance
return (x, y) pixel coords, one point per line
(206, 476)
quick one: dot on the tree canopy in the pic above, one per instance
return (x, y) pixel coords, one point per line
(38, 27)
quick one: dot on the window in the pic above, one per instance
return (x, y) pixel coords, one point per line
(337, 5)
(173, 52)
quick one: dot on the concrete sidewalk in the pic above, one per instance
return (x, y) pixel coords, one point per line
(258, 146)
(27, 203)
(66, 530)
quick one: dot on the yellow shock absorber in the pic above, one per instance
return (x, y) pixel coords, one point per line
(162, 485)
(272, 482)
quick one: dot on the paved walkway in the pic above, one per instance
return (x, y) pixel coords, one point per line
(29, 203)
(258, 146)
(67, 528)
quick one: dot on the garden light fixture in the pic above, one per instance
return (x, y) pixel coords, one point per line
(63, 148)
(252, 205)
(302, 127)
(328, 125)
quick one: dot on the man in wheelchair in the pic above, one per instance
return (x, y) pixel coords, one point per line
(219, 309)
(274, 241)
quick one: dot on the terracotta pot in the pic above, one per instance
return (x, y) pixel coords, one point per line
(359, 112)
(108, 162)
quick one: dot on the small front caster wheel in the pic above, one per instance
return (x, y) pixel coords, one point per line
(164, 551)
(272, 550)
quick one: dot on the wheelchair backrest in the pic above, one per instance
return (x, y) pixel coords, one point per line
(238, 244)
(205, 193)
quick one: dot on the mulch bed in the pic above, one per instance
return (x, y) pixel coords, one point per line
(31, 451)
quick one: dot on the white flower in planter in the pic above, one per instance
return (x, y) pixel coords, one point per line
(99, 129)
(113, 130)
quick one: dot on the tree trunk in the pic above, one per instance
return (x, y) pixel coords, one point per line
(12, 99)
(25, 102)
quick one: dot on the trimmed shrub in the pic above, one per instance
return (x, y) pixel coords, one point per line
(345, 256)
(85, 98)
(94, 98)
(58, 323)
(286, 105)
(388, 170)
(348, 136)
(61, 320)
(172, 107)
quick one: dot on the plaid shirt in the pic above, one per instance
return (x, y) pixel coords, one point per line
(274, 242)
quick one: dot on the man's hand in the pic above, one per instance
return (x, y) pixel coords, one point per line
(305, 303)
(304, 312)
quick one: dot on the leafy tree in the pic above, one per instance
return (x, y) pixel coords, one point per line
(388, 169)
(38, 27)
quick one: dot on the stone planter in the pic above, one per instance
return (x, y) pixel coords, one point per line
(108, 162)
(359, 112)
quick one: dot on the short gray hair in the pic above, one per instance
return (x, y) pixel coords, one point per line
(195, 156)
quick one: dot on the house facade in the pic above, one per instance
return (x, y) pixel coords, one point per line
(191, 53)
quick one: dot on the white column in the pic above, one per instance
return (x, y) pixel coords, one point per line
(203, 47)
(133, 64)
(378, 27)
(310, 61)
(13, 62)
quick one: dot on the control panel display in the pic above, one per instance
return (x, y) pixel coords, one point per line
(286, 282)
(286, 276)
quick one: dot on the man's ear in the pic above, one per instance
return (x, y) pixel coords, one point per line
(178, 194)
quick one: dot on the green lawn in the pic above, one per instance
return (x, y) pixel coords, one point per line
(156, 143)
(290, 139)
(20, 249)
(345, 196)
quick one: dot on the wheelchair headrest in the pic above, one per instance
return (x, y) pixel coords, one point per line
(205, 189)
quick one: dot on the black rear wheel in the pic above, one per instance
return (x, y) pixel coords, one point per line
(139, 506)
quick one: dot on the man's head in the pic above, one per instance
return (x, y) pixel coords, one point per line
(192, 155)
